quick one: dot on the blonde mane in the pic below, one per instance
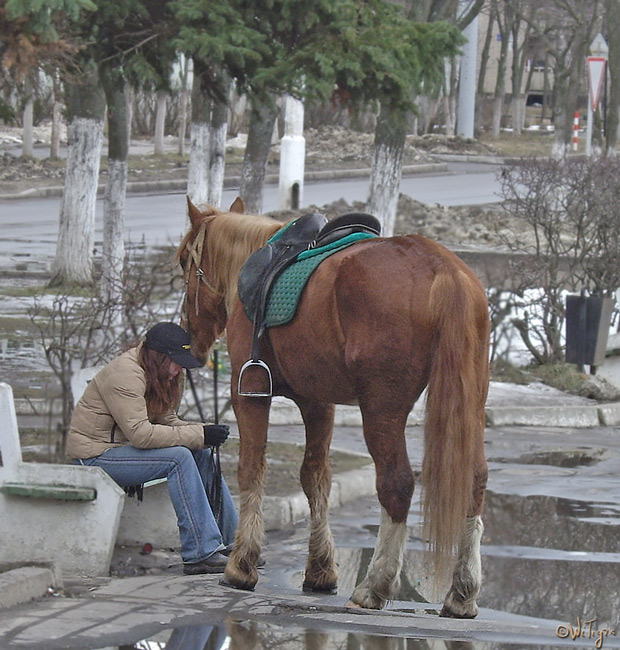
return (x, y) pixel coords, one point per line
(229, 240)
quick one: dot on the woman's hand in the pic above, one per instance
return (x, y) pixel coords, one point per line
(215, 434)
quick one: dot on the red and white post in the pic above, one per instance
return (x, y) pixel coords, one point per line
(575, 130)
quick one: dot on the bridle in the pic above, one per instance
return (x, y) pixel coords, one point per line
(195, 249)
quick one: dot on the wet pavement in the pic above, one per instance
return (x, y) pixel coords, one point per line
(551, 564)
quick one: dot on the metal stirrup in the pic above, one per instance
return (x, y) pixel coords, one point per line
(260, 364)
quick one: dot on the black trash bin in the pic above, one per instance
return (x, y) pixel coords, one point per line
(588, 319)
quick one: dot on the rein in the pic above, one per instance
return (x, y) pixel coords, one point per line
(214, 490)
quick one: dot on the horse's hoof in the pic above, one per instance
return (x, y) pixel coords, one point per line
(226, 583)
(329, 590)
(446, 612)
(350, 603)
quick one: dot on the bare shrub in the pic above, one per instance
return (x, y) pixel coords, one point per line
(79, 331)
(566, 223)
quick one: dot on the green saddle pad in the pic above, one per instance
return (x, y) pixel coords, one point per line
(288, 287)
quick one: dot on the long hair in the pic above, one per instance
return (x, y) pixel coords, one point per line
(162, 393)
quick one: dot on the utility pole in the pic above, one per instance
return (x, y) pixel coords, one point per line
(467, 78)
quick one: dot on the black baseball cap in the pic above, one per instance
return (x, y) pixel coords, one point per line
(173, 340)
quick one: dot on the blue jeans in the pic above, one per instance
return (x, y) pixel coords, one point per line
(188, 473)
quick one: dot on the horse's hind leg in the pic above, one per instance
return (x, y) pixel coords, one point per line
(395, 483)
(321, 574)
(467, 577)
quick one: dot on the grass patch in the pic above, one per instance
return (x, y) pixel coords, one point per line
(563, 376)
(529, 143)
(14, 326)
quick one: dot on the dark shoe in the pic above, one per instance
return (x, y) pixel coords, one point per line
(215, 563)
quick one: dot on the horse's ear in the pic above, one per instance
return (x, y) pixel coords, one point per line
(195, 215)
(238, 206)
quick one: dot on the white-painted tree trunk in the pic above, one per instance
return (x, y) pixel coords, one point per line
(160, 122)
(113, 254)
(496, 122)
(56, 124)
(74, 251)
(198, 171)
(217, 164)
(518, 110)
(384, 188)
(27, 137)
(182, 121)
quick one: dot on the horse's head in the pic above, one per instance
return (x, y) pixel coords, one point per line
(211, 255)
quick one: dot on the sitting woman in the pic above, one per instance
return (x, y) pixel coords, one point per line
(126, 424)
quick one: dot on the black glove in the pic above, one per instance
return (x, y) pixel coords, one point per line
(215, 434)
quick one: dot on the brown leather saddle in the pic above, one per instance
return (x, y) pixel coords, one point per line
(263, 267)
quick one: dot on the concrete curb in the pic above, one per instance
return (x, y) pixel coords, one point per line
(25, 583)
(230, 182)
(577, 417)
(564, 416)
(279, 512)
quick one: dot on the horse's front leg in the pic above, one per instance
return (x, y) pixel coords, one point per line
(316, 480)
(252, 417)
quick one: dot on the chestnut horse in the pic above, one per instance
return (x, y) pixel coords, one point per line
(377, 323)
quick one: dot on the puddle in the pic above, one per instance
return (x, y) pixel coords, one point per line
(249, 635)
(581, 457)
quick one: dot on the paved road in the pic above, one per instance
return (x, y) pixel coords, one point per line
(29, 227)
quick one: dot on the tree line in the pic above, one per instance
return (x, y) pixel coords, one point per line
(396, 59)
(369, 51)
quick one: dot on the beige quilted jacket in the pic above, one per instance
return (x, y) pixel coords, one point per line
(112, 412)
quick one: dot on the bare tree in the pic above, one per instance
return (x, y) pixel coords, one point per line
(520, 36)
(85, 101)
(260, 133)
(56, 117)
(565, 28)
(184, 96)
(113, 254)
(503, 15)
(160, 121)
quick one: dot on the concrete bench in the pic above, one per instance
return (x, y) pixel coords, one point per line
(54, 492)
(65, 514)
(151, 520)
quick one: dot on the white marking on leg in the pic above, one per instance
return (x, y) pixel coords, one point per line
(467, 577)
(383, 578)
